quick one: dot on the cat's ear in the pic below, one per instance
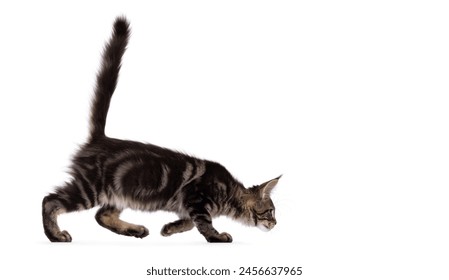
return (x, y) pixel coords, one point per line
(266, 188)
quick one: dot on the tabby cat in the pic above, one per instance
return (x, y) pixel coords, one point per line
(117, 174)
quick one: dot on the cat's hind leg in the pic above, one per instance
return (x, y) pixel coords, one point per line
(74, 196)
(178, 226)
(52, 206)
(109, 217)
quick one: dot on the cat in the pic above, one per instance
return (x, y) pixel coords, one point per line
(117, 174)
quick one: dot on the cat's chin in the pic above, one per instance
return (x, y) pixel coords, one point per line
(263, 228)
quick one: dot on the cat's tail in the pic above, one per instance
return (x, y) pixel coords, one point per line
(107, 76)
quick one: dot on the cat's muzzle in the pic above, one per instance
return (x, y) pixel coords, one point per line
(266, 225)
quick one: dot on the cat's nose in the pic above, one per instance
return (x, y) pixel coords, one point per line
(272, 223)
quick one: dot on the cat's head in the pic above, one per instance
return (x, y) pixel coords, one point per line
(260, 210)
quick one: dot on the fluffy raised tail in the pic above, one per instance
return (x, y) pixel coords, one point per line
(107, 76)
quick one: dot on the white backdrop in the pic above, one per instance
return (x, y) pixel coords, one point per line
(348, 100)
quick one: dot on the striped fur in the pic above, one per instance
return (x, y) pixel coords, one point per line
(117, 174)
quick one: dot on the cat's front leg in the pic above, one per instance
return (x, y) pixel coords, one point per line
(203, 222)
(178, 226)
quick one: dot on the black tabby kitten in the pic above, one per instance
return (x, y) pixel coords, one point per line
(116, 174)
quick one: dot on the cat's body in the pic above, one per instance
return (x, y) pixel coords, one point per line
(117, 174)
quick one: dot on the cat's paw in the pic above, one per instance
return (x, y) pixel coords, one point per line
(167, 230)
(222, 237)
(138, 231)
(62, 236)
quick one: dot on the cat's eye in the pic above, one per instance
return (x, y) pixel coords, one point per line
(268, 212)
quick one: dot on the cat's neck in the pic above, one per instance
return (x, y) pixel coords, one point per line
(239, 202)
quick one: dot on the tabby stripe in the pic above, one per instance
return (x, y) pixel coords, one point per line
(164, 177)
(121, 170)
(141, 192)
(90, 189)
(85, 199)
(255, 218)
(91, 192)
(99, 182)
(200, 169)
(213, 207)
(70, 197)
(187, 174)
(111, 166)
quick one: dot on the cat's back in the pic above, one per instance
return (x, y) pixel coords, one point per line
(131, 163)
(111, 148)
